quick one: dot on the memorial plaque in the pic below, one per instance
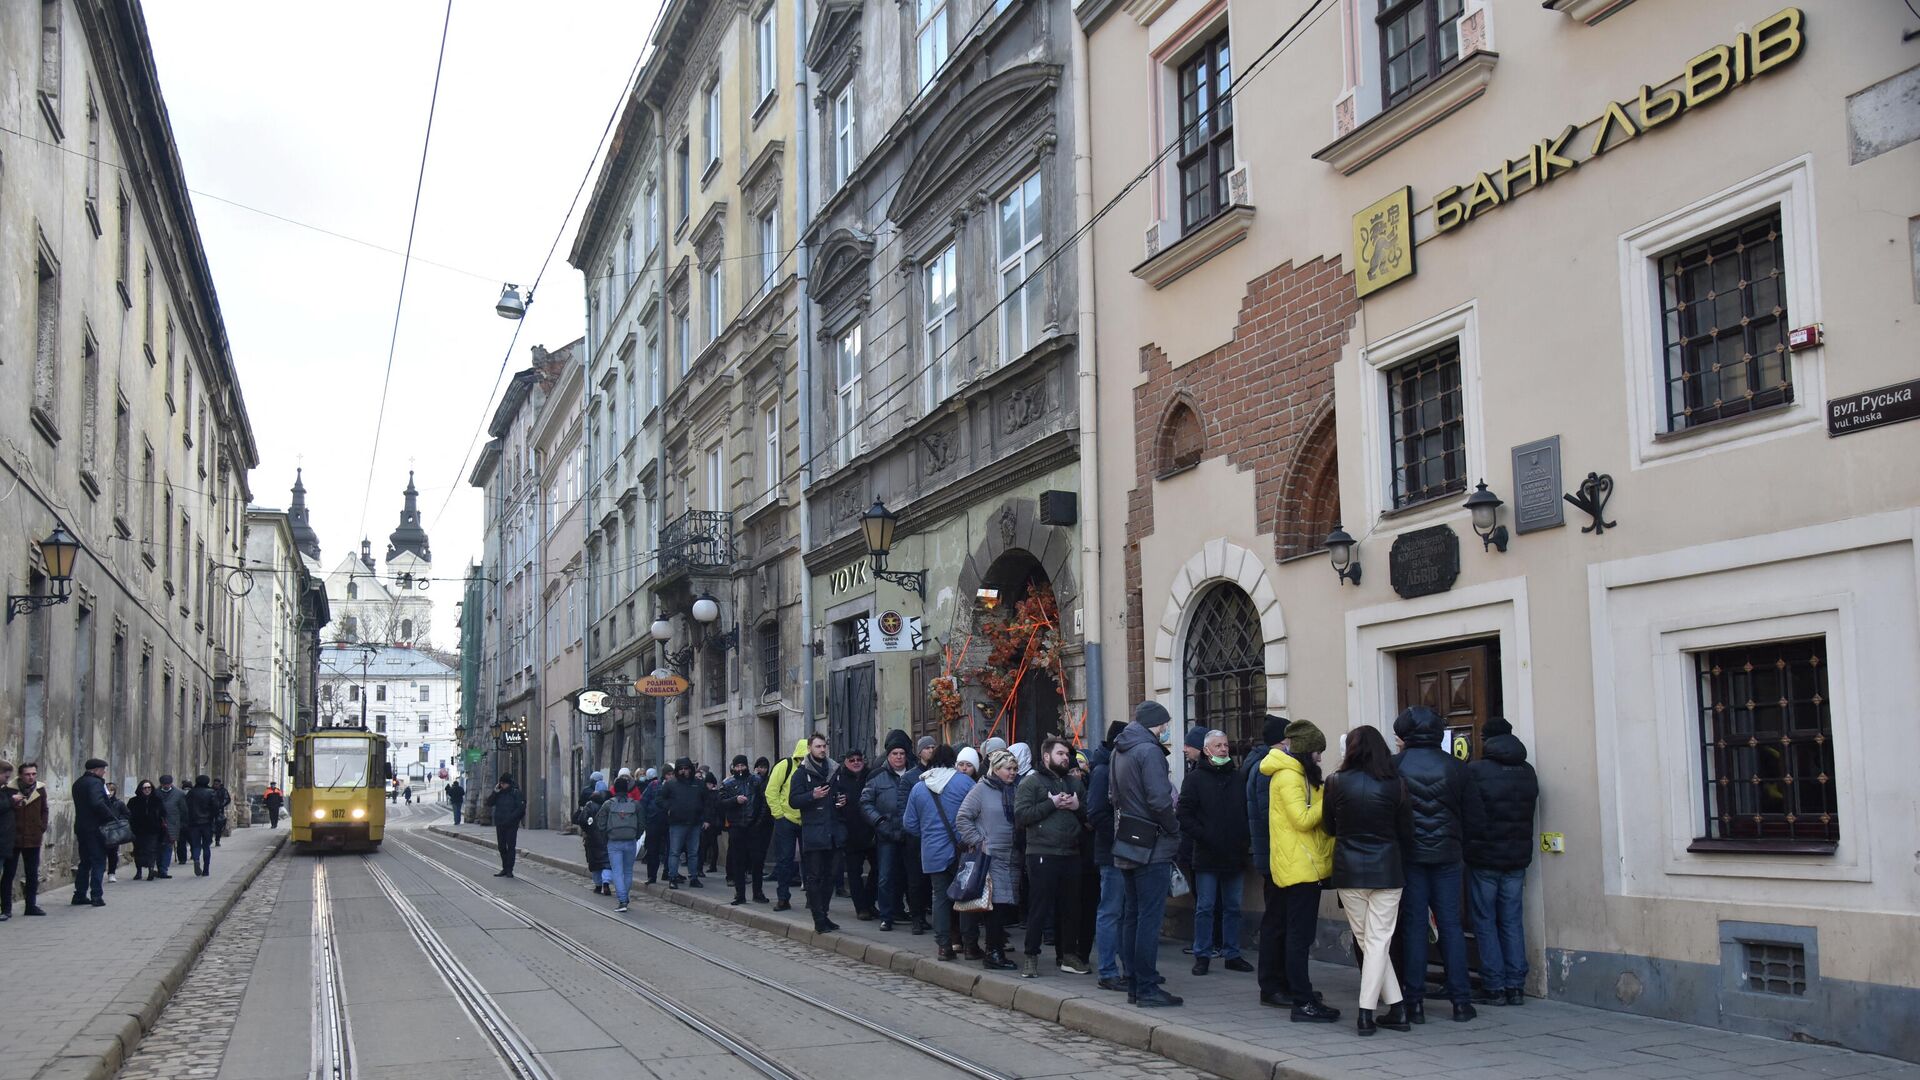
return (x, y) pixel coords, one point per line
(1424, 561)
(1536, 485)
(1873, 408)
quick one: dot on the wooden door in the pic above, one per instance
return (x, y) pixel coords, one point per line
(1461, 683)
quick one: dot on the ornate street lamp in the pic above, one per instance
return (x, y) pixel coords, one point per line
(1485, 507)
(877, 525)
(58, 551)
(1340, 549)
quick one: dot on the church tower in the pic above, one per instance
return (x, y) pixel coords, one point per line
(409, 537)
(304, 538)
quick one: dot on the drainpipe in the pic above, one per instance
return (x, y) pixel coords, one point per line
(803, 265)
(1090, 567)
(660, 404)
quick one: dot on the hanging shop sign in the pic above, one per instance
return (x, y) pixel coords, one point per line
(889, 631)
(851, 576)
(1772, 42)
(662, 684)
(1874, 408)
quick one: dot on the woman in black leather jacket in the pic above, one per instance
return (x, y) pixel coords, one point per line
(1369, 816)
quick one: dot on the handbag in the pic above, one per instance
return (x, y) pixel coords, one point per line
(983, 902)
(115, 832)
(1177, 884)
(1134, 838)
(972, 878)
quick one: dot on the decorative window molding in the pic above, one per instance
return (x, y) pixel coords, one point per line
(1590, 12)
(1789, 187)
(1165, 266)
(1461, 327)
(1452, 90)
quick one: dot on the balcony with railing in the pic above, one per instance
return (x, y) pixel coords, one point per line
(698, 541)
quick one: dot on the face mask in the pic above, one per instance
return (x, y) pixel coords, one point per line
(1220, 760)
(1166, 736)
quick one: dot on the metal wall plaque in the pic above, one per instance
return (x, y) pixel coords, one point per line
(1536, 486)
(1424, 561)
(1873, 408)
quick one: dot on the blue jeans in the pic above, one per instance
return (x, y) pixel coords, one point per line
(786, 867)
(1494, 896)
(1140, 923)
(200, 841)
(1436, 887)
(684, 840)
(1106, 920)
(620, 864)
(90, 876)
(456, 813)
(893, 878)
(1211, 891)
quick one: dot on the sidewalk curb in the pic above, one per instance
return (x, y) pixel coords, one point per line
(1051, 1000)
(107, 1040)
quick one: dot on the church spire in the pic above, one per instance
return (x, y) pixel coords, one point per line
(305, 540)
(409, 536)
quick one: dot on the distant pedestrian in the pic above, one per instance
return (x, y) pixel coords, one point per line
(1300, 858)
(684, 801)
(1146, 838)
(857, 852)
(986, 823)
(90, 811)
(119, 810)
(149, 821)
(618, 819)
(1368, 813)
(593, 838)
(1502, 792)
(29, 799)
(10, 800)
(273, 800)
(931, 807)
(457, 798)
(203, 821)
(1436, 783)
(745, 808)
(713, 822)
(407, 794)
(173, 809)
(509, 807)
(822, 828)
(760, 837)
(1050, 805)
(220, 823)
(786, 824)
(1213, 811)
(1112, 884)
(654, 815)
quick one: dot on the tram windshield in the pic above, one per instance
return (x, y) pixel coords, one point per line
(340, 763)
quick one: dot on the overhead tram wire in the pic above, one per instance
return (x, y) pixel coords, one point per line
(406, 263)
(613, 116)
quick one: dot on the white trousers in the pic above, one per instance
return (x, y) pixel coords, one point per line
(1372, 915)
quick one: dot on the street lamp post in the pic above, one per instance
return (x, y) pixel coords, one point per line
(59, 551)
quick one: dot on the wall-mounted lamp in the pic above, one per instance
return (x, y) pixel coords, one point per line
(58, 551)
(679, 661)
(878, 524)
(988, 599)
(1340, 549)
(1485, 507)
(705, 611)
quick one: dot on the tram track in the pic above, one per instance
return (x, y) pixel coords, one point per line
(587, 956)
(332, 1054)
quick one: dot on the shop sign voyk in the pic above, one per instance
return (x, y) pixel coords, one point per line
(1424, 561)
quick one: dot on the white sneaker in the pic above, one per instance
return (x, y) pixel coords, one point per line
(113, 877)
(622, 907)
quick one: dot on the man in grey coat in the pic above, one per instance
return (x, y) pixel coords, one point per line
(1143, 802)
(173, 807)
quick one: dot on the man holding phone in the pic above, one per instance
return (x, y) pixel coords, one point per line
(821, 828)
(1050, 805)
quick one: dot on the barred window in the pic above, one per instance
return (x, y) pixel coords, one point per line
(769, 658)
(1723, 302)
(714, 674)
(1419, 39)
(1224, 666)
(1428, 428)
(1766, 729)
(1206, 131)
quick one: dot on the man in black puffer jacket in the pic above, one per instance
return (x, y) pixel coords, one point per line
(1502, 793)
(1437, 787)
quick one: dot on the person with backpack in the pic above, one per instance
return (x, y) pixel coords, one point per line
(786, 825)
(619, 819)
(593, 839)
(1502, 793)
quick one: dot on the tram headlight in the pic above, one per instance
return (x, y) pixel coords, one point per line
(359, 812)
(319, 815)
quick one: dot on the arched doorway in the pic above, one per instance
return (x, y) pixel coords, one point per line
(1034, 712)
(1223, 669)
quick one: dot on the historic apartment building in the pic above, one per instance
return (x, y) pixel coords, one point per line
(1660, 258)
(121, 418)
(563, 588)
(945, 363)
(724, 92)
(283, 611)
(620, 249)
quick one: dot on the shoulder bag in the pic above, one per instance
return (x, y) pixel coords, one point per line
(1134, 838)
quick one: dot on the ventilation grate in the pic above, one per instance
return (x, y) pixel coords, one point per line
(1775, 968)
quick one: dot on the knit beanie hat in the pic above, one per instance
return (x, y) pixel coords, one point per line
(1304, 738)
(1496, 726)
(925, 744)
(988, 748)
(968, 756)
(1151, 714)
(1197, 737)
(899, 740)
(1273, 729)
(739, 759)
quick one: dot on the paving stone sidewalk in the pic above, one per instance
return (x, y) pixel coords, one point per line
(83, 983)
(1224, 1029)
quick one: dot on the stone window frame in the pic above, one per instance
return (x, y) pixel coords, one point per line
(1459, 324)
(44, 406)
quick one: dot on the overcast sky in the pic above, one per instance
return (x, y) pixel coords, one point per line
(316, 113)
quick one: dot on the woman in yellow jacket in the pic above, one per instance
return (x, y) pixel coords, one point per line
(1300, 855)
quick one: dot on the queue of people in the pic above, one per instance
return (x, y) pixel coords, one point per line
(1081, 850)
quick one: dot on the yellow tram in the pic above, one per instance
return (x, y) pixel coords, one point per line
(339, 788)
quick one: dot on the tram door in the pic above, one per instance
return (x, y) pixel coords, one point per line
(1461, 682)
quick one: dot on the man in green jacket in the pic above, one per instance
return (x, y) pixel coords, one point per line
(786, 826)
(1050, 805)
